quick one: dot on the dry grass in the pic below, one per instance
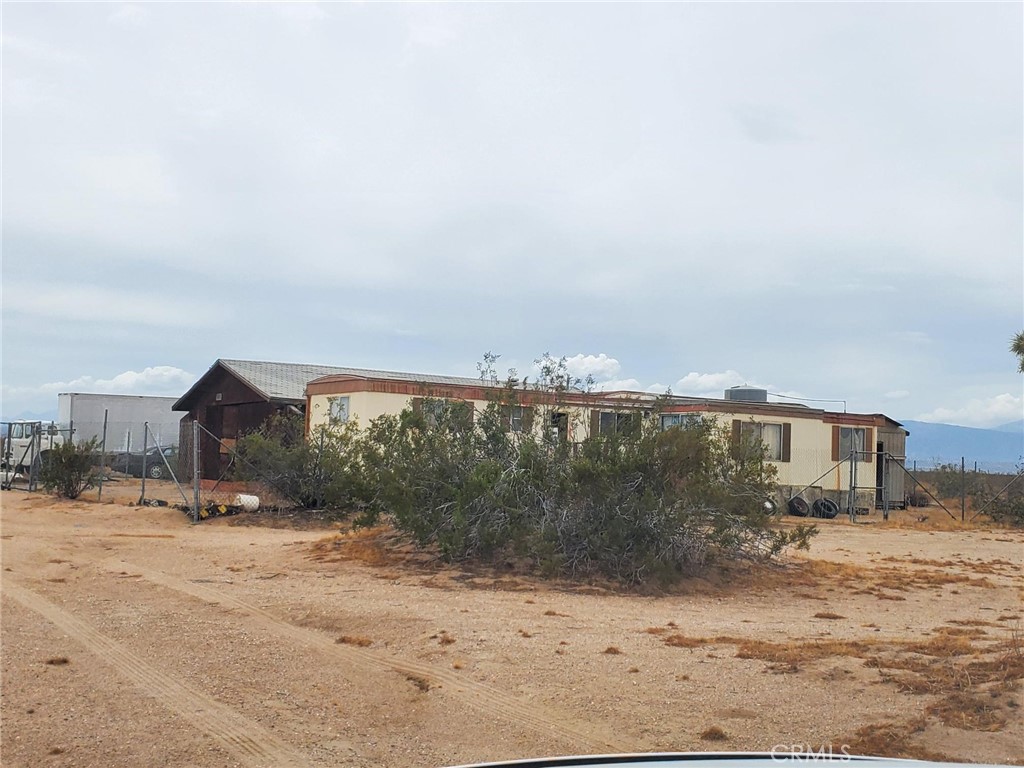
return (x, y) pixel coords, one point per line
(524, 633)
(972, 632)
(714, 733)
(611, 650)
(892, 740)
(58, 661)
(807, 577)
(633, 670)
(793, 654)
(943, 646)
(828, 615)
(374, 546)
(420, 682)
(458, 664)
(969, 712)
(682, 641)
(443, 638)
(357, 640)
(556, 613)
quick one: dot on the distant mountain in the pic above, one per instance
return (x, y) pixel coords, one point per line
(995, 450)
(50, 415)
(1013, 426)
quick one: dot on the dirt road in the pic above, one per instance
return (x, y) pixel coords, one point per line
(130, 637)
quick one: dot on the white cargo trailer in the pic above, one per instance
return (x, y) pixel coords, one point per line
(125, 415)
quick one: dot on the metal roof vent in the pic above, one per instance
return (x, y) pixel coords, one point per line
(747, 394)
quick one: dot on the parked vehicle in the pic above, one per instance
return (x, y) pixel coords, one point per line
(156, 467)
(24, 442)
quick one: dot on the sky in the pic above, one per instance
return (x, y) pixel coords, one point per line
(823, 199)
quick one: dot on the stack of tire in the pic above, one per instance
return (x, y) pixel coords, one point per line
(822, 508)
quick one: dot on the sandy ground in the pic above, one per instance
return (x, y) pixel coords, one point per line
(131, 637)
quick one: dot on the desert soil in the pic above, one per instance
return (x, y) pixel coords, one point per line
(131, 638)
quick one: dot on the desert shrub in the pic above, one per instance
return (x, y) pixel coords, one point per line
(69, 470)
(315, 473)
(950, 482)
(1008, 507)
(635, 504)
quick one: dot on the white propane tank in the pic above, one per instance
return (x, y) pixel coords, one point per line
(247, 502)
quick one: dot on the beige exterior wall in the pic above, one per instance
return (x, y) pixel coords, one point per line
(810, 461)
(364, 407)
(810, 453)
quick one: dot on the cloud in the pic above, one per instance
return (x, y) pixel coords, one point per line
(615, 385)
(158, 380)
(704, 384)
(433, 30)
(301, 11)
(601, 367)
(766, 125)
(93, 304)
(141, 177)
(897, 394)
(37, 50)
(981, 412)
(129, 16)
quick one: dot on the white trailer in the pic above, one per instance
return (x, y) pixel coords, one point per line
(83, 413)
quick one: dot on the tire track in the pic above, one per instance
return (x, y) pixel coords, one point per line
(591, 736)
(248, 741)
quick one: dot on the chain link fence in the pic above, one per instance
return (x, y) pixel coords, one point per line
(189, 469)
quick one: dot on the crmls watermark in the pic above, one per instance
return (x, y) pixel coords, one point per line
(810, 753)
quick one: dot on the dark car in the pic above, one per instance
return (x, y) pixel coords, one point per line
(156, 467)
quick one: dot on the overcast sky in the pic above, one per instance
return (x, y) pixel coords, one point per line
(822, 199)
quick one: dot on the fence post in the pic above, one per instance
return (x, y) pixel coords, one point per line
(963, 490)
(852, 504)
(103, 456)
(145, 447)
(195, 469)
(884, 458)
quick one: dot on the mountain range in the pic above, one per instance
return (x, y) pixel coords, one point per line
(999, 449)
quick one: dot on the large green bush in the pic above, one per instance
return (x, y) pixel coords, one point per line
(636, 504)
(315, 473)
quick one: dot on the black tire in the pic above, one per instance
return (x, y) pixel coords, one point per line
(826, 508)
(156, 472)
(798, 507)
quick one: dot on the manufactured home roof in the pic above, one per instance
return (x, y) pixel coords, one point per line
(286, 382)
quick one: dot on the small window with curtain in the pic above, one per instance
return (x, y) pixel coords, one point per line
(775, 437)
(851, 439)
(337, 410)
(847, 441)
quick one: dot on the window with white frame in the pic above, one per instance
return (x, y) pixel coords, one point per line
(337, 410)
